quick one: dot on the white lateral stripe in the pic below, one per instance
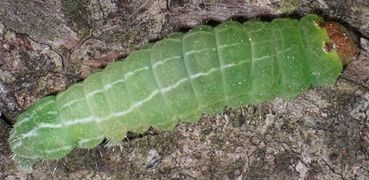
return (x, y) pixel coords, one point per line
(33, 132)
(194, 76)
(48, 125)
(52, 113)
(28, 157)
(131, 108)
(169, 88)
(82, 141)
(262, 58)
(229, 45)
(230, 65)
(266, 57)
(165, 61)
(140, 103)
(79, 121)
(58, 149)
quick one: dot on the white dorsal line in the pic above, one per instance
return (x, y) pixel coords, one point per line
(24, 120)
(28, 118)
(129, 74)
(70, 103)
(94, 92)
(158, 63)
(126, 76)
(69, 89)
(108, 86)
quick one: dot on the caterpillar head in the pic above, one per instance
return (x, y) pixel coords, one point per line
(37, 135)
(342, 40)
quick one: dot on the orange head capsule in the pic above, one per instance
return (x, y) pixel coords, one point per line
(342, 41)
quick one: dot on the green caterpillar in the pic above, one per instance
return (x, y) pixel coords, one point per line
(179, 77)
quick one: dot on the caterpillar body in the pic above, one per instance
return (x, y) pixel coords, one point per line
(179, 77)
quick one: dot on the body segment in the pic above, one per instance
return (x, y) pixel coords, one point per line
(178, 78)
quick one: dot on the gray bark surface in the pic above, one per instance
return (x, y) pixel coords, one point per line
(48, 45)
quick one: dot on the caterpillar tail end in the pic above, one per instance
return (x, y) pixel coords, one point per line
(39, 135)
(342, 40)
(24, 164)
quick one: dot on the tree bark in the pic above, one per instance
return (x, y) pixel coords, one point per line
(322, 134)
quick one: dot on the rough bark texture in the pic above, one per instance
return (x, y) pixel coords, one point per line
(323, 134)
